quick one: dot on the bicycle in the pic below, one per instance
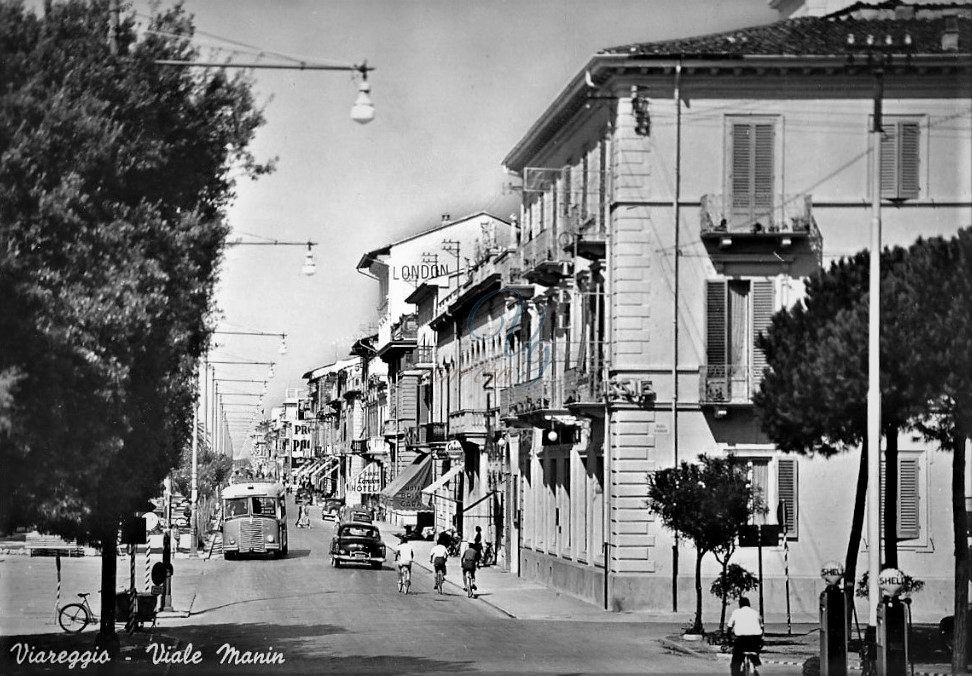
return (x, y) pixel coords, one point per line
(74, 617)
(749, 664)
(404, 578)
(469, 582)
(439, 580)
(489, 556)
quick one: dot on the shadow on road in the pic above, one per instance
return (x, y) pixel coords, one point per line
(256, 648)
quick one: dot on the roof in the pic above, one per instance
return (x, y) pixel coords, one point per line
(371, 257)
(824, 35)
(329, 368)
(940, 35)
(252, 488)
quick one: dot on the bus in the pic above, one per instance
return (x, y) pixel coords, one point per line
(254, 519)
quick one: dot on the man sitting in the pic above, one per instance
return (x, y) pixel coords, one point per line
(747, 629)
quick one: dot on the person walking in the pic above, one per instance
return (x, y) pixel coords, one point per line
(477, 543)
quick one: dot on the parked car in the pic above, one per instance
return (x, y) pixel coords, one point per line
(357, 543)
(330, 508)
(946, 630)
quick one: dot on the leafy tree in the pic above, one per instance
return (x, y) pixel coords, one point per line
(707, 503)
(114, 178)
(733, 582)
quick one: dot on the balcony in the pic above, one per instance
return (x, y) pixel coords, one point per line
(432, 433)
(391, 428)
(543, 260)
(587, 237)
(468, 421)
(766, 229)
(727, 384)
(359, 446)
(583, 391)
(419, 360)
(532, 401)
(402, 336)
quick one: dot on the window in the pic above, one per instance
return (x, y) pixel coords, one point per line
(909, 496)
(751, 170)
(900, 161)
(737, 310)
(777, 485)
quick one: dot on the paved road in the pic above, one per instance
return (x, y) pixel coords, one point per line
(324, 620)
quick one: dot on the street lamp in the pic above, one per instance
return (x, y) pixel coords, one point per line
(282, 336)
(308, 268)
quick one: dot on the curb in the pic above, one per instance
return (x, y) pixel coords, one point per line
(677, 647)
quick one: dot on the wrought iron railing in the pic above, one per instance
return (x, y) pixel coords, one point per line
(538, 395)
(727, 384)
(405, 328)
(766, 214)
(467, 420)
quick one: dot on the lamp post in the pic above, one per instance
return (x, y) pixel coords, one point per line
(308, 268)
(876, 57)
(282, 336)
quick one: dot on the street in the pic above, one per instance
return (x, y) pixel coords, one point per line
(299, 615)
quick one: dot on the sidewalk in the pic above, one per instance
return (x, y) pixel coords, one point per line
(523, 599)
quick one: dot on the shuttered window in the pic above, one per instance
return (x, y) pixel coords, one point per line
(900, 158)
(788, 496)
(909, 498)
(736, 312)
(752, 175)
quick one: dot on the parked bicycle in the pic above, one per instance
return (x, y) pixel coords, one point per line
(74, 617)
(489, 556)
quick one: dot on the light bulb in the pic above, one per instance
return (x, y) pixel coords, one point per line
(283, 343)
(363, 110)
(552, 435)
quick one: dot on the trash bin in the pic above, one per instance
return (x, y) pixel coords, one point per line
(145, 606)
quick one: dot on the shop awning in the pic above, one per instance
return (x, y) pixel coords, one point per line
(367, 480)
(442, 481)
(405, 492)
(307, 469)
(326, 465)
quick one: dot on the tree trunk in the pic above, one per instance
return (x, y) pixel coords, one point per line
(107, 638)
(960, 529)
(698, 592)
(854, 540)
(725, 597)
(890, 559)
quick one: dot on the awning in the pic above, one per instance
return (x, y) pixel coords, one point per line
(442, 481)
(367, 480)
(405, 492)
(307, 469)
(326, 465)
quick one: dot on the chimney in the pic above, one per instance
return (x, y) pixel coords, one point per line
(951, 35)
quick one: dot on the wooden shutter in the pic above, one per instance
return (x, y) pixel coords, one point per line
(764, 305)
(909, 527)
(752, 172)
(909, 524)
(716, 323)
(900, 160)
(788, 493)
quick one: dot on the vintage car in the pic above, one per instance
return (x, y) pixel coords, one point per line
(355, 542)
(330, 508)
(355, 513)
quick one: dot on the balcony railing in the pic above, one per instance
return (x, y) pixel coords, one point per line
(543, 258)
(727, 384)
(769, 214)
(468, 421)
(391, 428)
(405, 328)
(423, 355)
(430, 433)
(540, 395)
(359, 446)
(582, 387)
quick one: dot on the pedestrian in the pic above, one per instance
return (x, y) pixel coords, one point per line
(478, 545)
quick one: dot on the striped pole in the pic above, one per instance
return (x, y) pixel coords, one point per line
(786, 566)
(57, 602)
(133, 610)
(148, 568)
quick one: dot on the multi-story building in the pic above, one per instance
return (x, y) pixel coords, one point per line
(429, 258)
(675, 195)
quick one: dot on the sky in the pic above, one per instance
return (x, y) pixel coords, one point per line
(456, 84)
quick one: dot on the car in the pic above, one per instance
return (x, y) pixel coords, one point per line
(330, 508)
(356, 542)
(358, 513)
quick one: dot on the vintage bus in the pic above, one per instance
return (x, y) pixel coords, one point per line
(254, 519)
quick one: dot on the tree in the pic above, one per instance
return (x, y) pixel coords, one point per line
(733, 582)
(938, 318)
(114, 178)
(707, 503)
(812, 399)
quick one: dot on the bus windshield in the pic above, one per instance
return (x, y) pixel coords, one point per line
(257, 506)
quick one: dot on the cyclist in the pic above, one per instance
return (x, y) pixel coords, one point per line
(438, 557)
(469, 559)
(747, 629)
(404, 555)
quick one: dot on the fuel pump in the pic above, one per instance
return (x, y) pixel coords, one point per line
(833, 622)
(893, 623)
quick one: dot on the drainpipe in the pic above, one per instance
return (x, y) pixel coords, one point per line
(605, 376)
(675, 209)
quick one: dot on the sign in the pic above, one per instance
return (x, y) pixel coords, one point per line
(368, 480)
(133, 531)
(661, 429)
(454, 448)
(755, 535)
(158, 589)
(301, 440)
